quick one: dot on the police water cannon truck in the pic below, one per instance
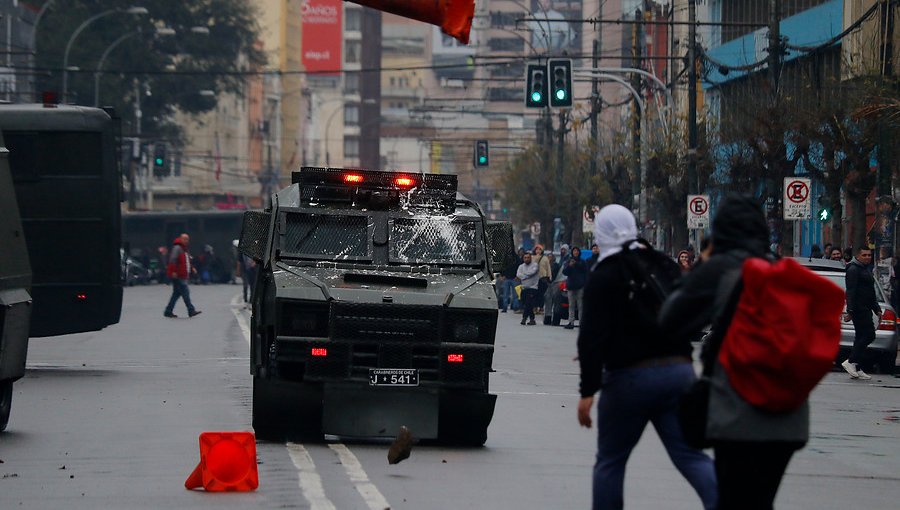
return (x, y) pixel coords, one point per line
(374, 307)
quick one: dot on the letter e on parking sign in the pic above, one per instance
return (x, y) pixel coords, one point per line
(698, 211)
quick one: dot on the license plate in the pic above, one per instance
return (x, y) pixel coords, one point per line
(393, 377)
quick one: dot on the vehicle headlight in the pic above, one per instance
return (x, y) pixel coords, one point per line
(465, 332)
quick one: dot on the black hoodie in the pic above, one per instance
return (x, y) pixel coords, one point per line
(739, 231)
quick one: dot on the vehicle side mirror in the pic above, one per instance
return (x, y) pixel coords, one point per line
(500, 244)
(254, 232)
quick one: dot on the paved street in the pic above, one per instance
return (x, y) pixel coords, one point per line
(110, 420)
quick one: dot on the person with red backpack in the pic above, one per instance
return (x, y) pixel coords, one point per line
(775, 333)
(179, 271)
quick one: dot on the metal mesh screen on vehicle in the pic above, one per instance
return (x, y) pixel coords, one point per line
(254, 232)
(433, 240)
(320, 235)
(500, 243)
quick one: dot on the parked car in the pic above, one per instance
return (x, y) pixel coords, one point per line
(133, 272)
(556, 301)
(883, 351)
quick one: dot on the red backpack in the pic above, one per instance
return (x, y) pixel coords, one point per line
(784, 335)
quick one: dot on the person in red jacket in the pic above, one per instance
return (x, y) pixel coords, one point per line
(179, 271)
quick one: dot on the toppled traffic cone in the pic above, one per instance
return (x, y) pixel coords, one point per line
(227, 463)
(401, 447)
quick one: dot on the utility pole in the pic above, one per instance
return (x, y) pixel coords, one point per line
(774, 46)
(636, 31)
(595, 94)
(693, 184)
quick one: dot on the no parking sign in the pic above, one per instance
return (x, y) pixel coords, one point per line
(795, 201)
(698, 211)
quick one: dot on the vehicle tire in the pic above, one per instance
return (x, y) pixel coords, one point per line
(5, 403)
(286, 411)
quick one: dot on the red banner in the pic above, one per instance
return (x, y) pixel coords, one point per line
(322, 32)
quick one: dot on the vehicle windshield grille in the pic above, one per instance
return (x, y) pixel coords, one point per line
(433, 240)
(326, 236)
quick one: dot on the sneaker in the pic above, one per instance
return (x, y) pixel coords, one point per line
(569, 326)
(170, 315)
(502, 311)
(531, 322)
(194, 313)
(523, 322)
(518, 311)
(850, 368)
(862, 375)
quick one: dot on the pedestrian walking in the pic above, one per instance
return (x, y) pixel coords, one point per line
(179, 271)
(528, 275)
(576, 272)
(752, 446)
(861, 304)
(826, 250)
(639, 370)
(815, 252)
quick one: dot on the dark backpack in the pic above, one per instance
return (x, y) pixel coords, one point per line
(650, 277)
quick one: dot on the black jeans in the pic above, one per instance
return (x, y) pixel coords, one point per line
(529, 302)
(749, 472)
(864, 327)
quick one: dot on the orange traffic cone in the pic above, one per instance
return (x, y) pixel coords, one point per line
(227, 463)
(453, 16)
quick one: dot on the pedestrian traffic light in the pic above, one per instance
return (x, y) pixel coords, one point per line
(560, 71)
(536, 86)
(824, 214)
(481, 153)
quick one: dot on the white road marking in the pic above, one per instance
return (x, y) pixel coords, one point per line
(370, 494)
(237, 308)
(310, 481)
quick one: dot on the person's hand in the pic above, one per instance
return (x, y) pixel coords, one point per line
(584, 411)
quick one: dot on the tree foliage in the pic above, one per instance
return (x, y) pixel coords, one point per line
(537, 191)
(168, 71)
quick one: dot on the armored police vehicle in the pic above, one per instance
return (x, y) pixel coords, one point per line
(374, 307)
(15, 281)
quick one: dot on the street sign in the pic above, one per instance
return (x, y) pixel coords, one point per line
(796, 203)
(698, 211)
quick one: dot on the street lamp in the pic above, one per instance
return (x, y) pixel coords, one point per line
(108, 50)
(138, 11)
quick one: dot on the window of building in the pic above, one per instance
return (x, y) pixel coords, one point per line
(353, 20)
(351, 114)
(351, 83)
(352, 51)
(351, 147)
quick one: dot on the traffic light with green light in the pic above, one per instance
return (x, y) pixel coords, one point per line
(481, 153)
(536, 86)
(560, 72)
(824, 214)
(159, 156)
